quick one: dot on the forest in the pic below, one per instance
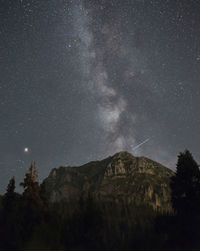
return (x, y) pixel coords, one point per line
(29, 222)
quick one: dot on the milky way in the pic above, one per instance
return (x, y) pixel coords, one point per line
(98, 43)
(83, 79)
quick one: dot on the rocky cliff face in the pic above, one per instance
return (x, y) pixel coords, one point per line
(121, 177)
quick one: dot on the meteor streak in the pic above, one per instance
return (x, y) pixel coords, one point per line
(142, 143)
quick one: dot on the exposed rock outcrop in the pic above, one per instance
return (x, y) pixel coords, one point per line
(121, 177)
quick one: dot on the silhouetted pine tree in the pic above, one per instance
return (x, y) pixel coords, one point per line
(32, 206)
(185, 197)
(8, 220)
(10, 196)
(185, 186)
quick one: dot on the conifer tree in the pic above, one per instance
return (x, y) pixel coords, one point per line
(10, 195)
(185, 196)
(31, 187)
(9, 231)
(32, 207)
(185, 185)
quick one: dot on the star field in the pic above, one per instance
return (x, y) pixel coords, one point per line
(82, 79)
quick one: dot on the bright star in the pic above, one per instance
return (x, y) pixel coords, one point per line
(26, 150)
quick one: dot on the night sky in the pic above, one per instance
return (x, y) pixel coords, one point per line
(83, 79)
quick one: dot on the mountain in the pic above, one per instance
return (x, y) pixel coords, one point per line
(121, 177)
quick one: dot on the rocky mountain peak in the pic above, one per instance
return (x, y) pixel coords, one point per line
(121, 177)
